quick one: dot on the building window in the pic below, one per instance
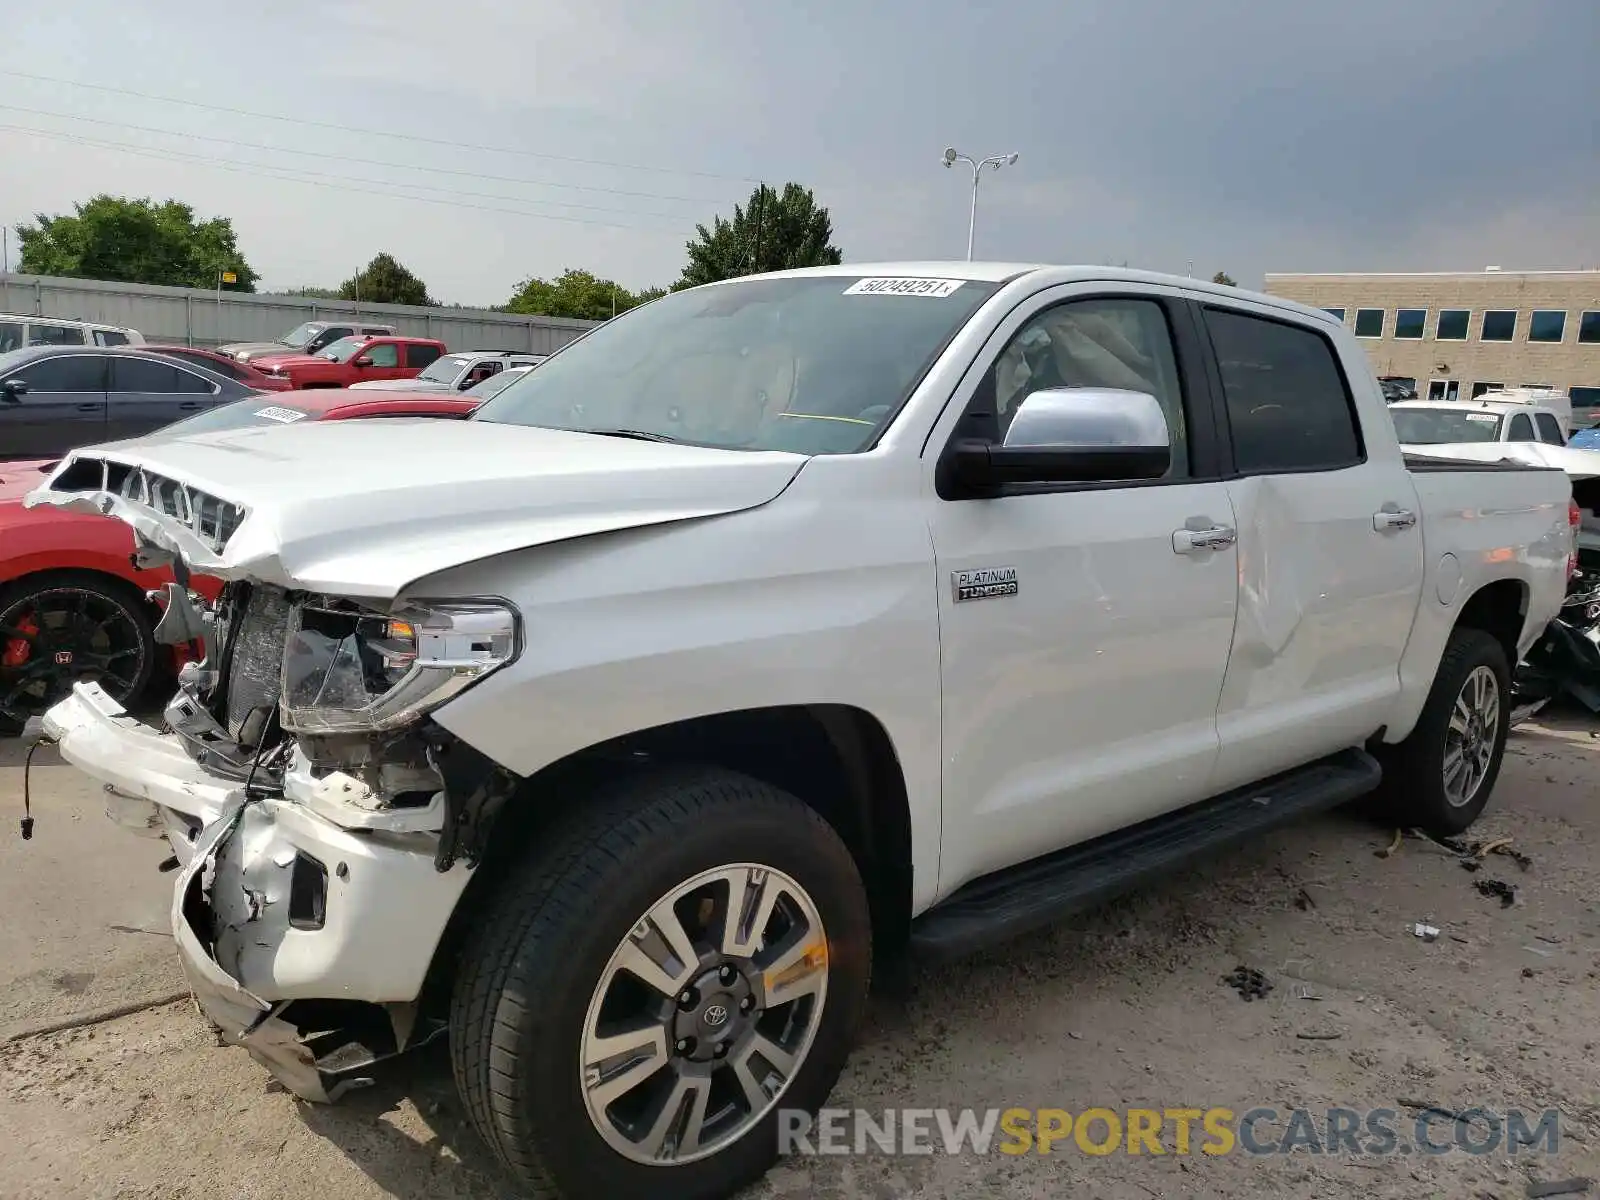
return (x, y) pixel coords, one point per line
(1584, 397)
(1547, 325)
(1589, 328)
(1444, 389)
(1338, 313)
(1538, 387)
(1452, 324)
(1480, 388)
(1499, 324)
(1369, 322)
(1408, 324)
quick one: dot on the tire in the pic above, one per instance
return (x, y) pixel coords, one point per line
(127, 639)
(1416, 789)
(541, 972)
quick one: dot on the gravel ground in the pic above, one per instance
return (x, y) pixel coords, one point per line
(1124, 1007)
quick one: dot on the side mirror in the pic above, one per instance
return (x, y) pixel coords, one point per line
(363, 360)
(14, 389)
(1069, 435)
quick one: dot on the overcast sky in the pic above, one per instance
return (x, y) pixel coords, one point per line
(1243, 135)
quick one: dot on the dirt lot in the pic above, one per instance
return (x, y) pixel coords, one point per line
(1123, 1008)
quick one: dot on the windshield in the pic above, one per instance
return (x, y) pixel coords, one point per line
(496, 384)
(444, 370)
(1433, 426)
(301, 334)
(238, 415)
(813, 364)
(344, 349)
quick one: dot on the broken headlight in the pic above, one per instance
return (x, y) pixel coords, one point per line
(351, 670)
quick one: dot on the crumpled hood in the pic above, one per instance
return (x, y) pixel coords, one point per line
(363, 508)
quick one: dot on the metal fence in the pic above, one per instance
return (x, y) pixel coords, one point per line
(194, 317)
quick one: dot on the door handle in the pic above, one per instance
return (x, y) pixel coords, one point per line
(1393, 518)
(1193, 541)
(90, 407)
(189, 406)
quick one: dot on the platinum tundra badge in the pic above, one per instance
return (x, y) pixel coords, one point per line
(986, 584)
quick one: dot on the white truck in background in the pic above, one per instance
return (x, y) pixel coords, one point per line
(775, 626)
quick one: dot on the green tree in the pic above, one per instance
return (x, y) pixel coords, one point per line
(135, 241)
(772, 231)
(578, 294)
(313, 293)
(385, 281)
(1224, 278)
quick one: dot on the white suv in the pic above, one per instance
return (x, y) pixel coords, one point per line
(18, 332)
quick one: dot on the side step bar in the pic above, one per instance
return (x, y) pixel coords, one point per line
(1034, 894)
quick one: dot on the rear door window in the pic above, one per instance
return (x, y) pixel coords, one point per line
(420, 354)
(54, 335)
(12, 336)
(1288, 405)
(110, 337)
(148, 376)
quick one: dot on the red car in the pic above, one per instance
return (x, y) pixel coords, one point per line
(353, 360)
(222, 365)
(72, 605)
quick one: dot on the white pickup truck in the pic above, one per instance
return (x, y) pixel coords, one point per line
(775, 628)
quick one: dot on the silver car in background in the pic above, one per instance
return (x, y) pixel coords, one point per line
(458, 372)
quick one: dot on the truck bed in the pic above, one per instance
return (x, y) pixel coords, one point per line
(1423, 463)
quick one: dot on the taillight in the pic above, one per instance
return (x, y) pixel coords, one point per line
(1574, 520)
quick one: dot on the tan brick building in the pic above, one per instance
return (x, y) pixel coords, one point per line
(1460, 333)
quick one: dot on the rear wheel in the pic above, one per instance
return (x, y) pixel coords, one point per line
(63, 627)
(1440, 778)
(686, 958)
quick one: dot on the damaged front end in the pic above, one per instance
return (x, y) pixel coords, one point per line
(325, 825)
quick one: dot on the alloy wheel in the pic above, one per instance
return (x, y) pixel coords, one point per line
(704, 1014)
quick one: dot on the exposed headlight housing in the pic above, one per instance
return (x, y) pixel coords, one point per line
(351, 670)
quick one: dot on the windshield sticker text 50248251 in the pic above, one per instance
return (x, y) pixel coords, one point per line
(902, 287)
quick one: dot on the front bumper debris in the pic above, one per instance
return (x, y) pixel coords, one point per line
(304, 941)
(241, 1018)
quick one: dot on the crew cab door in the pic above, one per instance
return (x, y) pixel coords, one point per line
(1086, 698)
(1330, 543)
(380, 360)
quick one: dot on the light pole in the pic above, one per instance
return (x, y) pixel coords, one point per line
(951, 157)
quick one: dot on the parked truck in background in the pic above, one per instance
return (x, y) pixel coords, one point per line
(772, 628)
(353, 360)
(309, 337)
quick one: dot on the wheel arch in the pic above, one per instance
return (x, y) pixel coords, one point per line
(1498, 608)
(837, 759)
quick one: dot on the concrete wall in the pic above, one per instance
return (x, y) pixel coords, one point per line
(193, 317)
(1564, 365)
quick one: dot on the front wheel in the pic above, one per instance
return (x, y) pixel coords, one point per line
(1440, 778)
(688, 956)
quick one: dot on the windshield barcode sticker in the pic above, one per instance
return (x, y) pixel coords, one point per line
(280, 414)
(902, 287)
(1489, 417)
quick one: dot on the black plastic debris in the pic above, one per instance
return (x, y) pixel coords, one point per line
(1566, 658)
(1497, 888)
(1248, 982)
